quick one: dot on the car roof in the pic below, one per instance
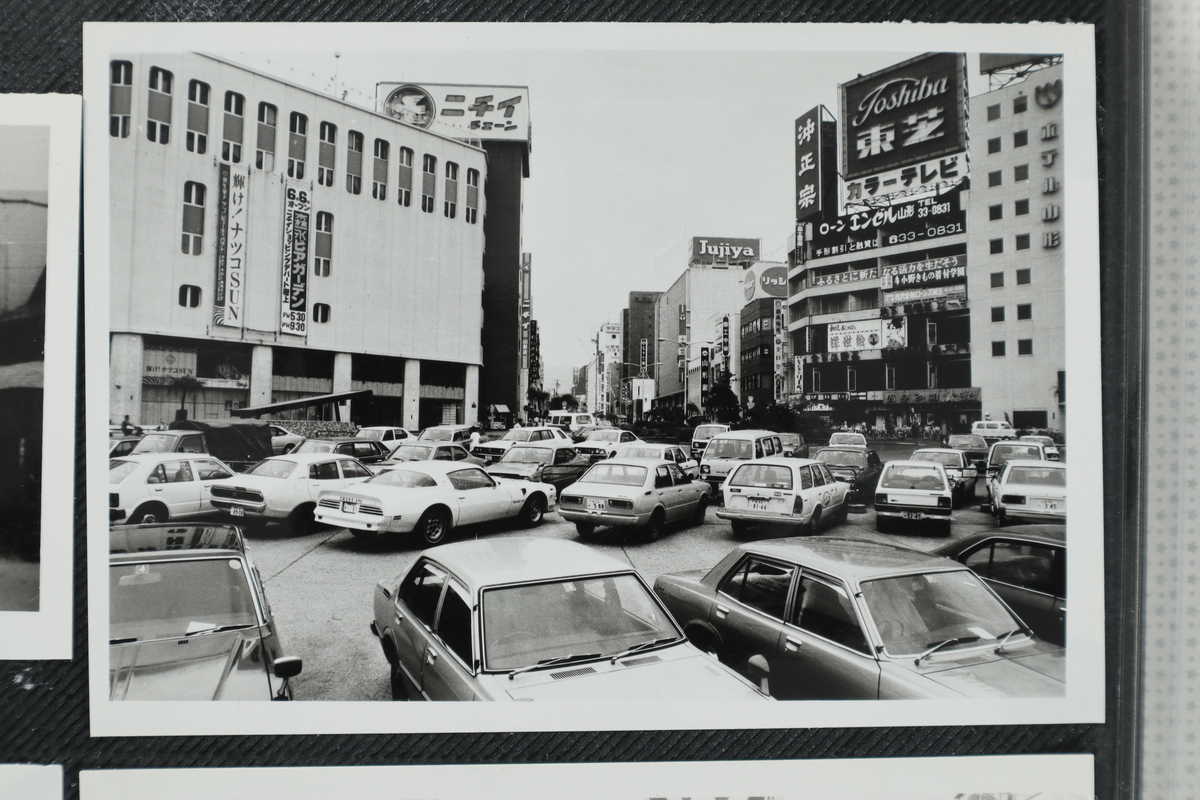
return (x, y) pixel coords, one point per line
(649, 463)
(1036, 462)
(947, 450)
(911, 463)
(438, 468)
(854, 559)
(151, 458)
(381, 428)
(144, 542)
(341, 439)
(745, 434)
(308, 458)
(845, 448)
(783, 461)
(1035, 534)
(491, 562)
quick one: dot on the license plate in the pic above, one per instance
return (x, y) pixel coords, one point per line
(758, 505)
(913, 515)
(237, 512)
(349, 508)
(595, 505)
(1050, 505)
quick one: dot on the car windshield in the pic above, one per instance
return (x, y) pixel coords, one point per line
(518, 435)
(119, 470)
(618, 474)
(843, 458)
(967, 441)
(789, 438)
(1037, 476)
(604, 436)
(314, 446)
(373, 433)
(847, 438)
(529, 455)
(272, 468)
(762, 476)
(171, 599)
(1043, 440)
(945, 459)
(1013, 452)
(604, 615)
(913, 613)
(437, 435)
(912, 477)
(412, 452)
(705, 432)
(406, 478)
(729, 448)
(156, 443)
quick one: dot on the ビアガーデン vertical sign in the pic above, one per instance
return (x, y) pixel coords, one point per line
(297, 209)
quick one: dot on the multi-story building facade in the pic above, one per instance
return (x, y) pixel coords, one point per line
(638, 343)
(278, 244)
(1015, 253)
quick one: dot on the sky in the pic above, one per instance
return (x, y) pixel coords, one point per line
(634, 153)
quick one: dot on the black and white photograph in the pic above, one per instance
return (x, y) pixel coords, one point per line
(740, 397)
(39, 202)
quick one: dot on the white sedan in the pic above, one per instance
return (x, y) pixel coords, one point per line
(602, 444)
(664, 452)
(646, 493)
(286, 487)
(1035, 491)
(432, 498)
(156, 487)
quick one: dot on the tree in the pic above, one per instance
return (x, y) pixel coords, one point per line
(186, 384)
(564, 402)
(722, 402)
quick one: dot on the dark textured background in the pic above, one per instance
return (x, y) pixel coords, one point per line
(40, 51)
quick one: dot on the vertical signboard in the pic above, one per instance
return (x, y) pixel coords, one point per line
(232, 211)
(705, 374)
(297, 211)
(644, 357)
(781, 354)
(809, 173)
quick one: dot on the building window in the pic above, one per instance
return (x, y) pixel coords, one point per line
(816, 380)
(998, 349)
(997, 313)
(472, 208)
(1024, 347)
(994, 178)
(996, 246)
(1021, 207)
(1020, 104)
(930, 332)
(297, 144)
(405, 160)
(326, 154)
(120, 98)
(930, 375)
(193, 218)
(189, 296)
(264, 156)
(354, 150)
(1024, 277)
(428, 183)
(1025, 311)
(994, 145)
(450, 204)
(997, 280)
(158, 109)
(1021, 172)
(889, 377)
(197, 117)
(1023, 241)
(851, 380)
(379, 174)
(993, 112)
(232, 130)
(996, 212)
(1020, 138)
(323, 246)
(320, 312)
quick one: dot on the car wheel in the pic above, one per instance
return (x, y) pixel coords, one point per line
(534, 511)
(702, 640)
(301, 518)
(814, 522)
(701, 510)
(741, 529)
(883, 524)
(654, 527)
(843, 512)
(1001, 518)
(585, 529)
(399, 689)
(946, 528)
(434, 525)
(148, 515)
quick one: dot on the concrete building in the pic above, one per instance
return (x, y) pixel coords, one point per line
(604, 384)
(278, 244)
(637, 327)
(1015, 254)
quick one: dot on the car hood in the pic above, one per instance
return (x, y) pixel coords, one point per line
(679, 673)
(1037, 669)
(520, 469)
(213, 666)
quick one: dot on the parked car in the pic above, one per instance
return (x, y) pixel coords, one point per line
(237, 443)
(447, 433)
(1052, 451)
(432, 498)
(156, 487)
(428, 451)
(602, 444)
(726, 450)
(188, 618)
(858, 467)
(570, 421)
(844, 438)
(494, 450)
(850, 619)
(794, 445)
(974, 445)
(916, 491)
(283, 440)
(796, 493)
(584, 431)
(645, 493)
(993, 431)
(287, 487)
(123, 446)
(665, 452)
(1003, 452)
(1027, 566)
(1033, 491)
(538, 619)
(367, 451)
(702, 434)
(553, 462)
(391, 436)
(959, 469)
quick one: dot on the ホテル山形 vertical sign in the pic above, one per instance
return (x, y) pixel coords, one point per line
(297, 210)
(232, 212)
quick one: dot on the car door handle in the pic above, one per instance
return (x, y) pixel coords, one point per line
(430, 657)
(722, 611)
(792, 644)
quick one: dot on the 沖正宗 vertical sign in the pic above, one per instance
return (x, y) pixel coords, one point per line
(297, 209)
(232, 211)
(809, 178)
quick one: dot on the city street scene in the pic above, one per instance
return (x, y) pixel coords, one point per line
(768, 408)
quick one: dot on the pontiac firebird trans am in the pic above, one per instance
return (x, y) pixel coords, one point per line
(431, 498)
(538, 619)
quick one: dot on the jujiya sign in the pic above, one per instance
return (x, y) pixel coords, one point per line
(296, 212)
(232, 212)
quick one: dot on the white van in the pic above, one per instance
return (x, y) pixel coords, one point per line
(570, 421)
(701, 436)
(993, 430)
(727, 450)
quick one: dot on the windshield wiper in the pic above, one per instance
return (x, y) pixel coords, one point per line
(552, 662)
(947, 643)
(1004, 639)
(219, 629)
(637, 648)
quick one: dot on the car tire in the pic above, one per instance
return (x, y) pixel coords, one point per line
(301, 519)
(533, 512)
(944, 529)
(814, 522)
(434, 526)
(654, 528)
(840, 517)
(149, 514)
(399, 688)
(1001, 518)
(701, 510)
(741, 529)
(883, 524)
(585, 529)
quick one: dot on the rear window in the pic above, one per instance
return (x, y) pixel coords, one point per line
(156, 443)
(412, 452)
(945, 459)
(705, 432)
(618, 474)
(1011, 452)
(730, 448)
(119, 470)
(912, 477)
(847, 438)
(974, 442)
(402, 477)
(272, 468)
(842, 458)
(1038, 476)
(314, 446)
(762, 476)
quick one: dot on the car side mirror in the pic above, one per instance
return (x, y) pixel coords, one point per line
(288, 666)
(760, 670)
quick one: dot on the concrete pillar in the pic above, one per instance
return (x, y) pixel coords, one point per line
(262, 368)
(471, 395)
(412, 393)
(341, 380)
(125, 371)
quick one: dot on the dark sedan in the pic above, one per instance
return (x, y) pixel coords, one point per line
(858, 467)
(975, 446)
(545, 462)
(367, 451)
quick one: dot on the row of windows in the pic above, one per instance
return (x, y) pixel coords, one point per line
(1020, 139)
(1024, 348)
(996, 246)
(1020, 173)
(189, 297)
(1024, 277)
(1020, 104)
(1020, 209)
(1024, 311)
(889, 378)
(158, 129)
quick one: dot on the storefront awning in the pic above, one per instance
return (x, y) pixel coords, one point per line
(304, 402)
(500, 408)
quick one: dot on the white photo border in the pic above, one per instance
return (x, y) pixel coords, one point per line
(47, 633)
(32, 781)
(1085, 666)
